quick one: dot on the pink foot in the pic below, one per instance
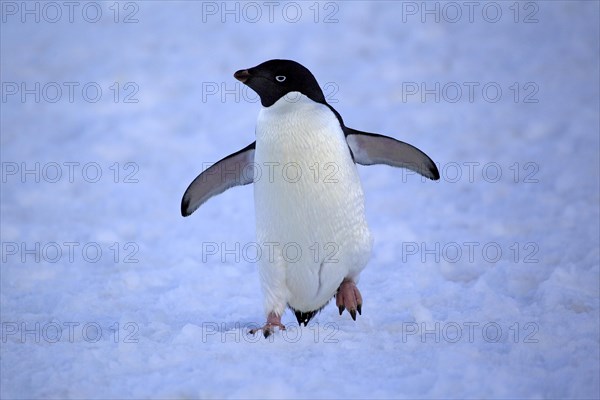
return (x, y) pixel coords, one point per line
(348, 297)
(273, 320)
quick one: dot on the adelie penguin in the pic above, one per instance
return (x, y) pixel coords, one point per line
(309, 202)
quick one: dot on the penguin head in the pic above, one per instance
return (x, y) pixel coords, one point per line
(274, 79)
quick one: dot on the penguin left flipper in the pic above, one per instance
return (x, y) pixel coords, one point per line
(372, 148)
(224, 174)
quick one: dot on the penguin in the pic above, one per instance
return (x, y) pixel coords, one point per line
(309, 201)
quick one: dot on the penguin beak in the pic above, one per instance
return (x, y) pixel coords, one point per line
(242, 75)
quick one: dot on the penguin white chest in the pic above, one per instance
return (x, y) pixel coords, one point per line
(309, 205)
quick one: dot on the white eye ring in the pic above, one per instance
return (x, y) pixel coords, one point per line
(280, 78)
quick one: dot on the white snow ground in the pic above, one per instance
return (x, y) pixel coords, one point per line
(454, 321)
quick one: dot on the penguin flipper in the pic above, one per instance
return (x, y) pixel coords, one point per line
(372, 148)
(224, 174)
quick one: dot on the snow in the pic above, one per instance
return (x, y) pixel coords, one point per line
(445, 315)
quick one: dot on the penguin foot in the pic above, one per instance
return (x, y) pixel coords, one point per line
(273, 320)
(348, 298)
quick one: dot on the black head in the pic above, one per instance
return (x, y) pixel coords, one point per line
(274, 79)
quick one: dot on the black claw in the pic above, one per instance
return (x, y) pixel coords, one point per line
(266, 332)
(353, 314)
(341, 308)
(359, 309)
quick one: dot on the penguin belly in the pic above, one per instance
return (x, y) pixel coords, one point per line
(309, 202)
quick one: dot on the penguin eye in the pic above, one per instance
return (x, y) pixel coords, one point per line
(280, 78)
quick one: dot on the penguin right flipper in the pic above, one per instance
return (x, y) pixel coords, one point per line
(224, 174)
(371, 148)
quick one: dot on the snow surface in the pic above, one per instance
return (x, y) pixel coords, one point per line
(436, 323)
